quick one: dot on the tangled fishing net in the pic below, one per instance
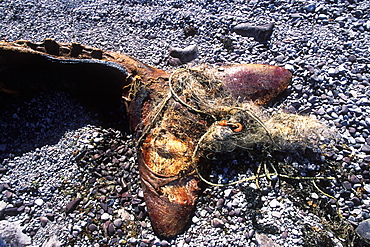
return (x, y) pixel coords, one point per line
(236, 124)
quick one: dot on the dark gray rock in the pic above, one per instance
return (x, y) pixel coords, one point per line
(104, 206)
(260, 33)
(11, 211)
(111, 229)
(363, 229)
(50, 216)
(310, 8)
(119, 233)
(220, 203)
(354, 179)
(92, 227)
(217, 223)
(344, 110)
(43, 220)
(356, 201)
(352, 58)
(72, 205)
(347, 185)
(365, 148)
(21, 209)
(179, 56)
(3, 170)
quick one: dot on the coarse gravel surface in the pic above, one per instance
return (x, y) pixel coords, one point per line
(68, 177)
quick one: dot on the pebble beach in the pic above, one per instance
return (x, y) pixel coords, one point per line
(69, 177)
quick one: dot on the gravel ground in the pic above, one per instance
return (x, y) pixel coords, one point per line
(54, 150)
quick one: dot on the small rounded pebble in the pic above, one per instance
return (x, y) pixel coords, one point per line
(117, 223)
(217, 223)
(44, 221)
(105, 216)
(39, 202)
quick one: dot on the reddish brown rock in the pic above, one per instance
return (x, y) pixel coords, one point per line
(72, 205)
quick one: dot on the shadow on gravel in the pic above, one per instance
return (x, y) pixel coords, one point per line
(42, 119)
(35, 112)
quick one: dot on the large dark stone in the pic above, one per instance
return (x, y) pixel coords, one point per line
(183, 55)
(12, 211)
(363, 229)
(72, 205)
(260, 33)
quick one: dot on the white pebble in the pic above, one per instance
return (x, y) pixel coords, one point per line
(276, 214)
(39, 202)
(124, 214)
(228, 192)
(274, 204)
(314, 196)
(289, 67)
(98, 139)
(105, 216)
(332, 71)
(357, 211)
